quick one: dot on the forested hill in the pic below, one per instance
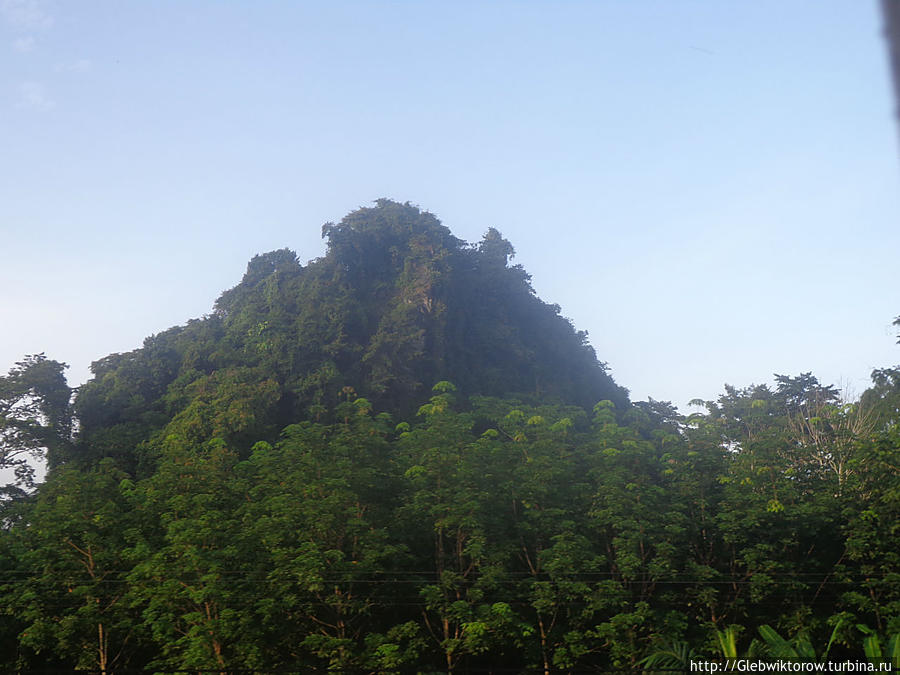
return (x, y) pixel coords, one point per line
(397, 459)
(396, 304)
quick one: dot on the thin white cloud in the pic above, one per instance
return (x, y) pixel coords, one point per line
(33, 96)
(23, 45)
(79, 66)
(25, 14)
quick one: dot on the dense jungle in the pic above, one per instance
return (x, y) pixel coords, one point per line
(397, 458)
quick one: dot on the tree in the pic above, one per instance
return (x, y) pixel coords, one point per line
(192, 568)
(316, 513)
(446, 504)
(35, 419)
(70, 586)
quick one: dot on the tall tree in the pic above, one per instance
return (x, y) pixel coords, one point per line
(69, 585)
(35, 419)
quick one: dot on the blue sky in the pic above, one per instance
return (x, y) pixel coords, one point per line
(711, 189)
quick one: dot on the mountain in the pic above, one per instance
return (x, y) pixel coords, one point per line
(294, 483)
(395, 305)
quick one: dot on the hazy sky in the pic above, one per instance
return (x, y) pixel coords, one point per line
(711, 189)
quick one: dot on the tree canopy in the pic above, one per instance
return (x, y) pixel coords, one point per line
(396, 458)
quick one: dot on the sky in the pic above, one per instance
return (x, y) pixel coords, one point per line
(710, 189)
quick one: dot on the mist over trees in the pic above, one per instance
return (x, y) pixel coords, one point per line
(397, 458)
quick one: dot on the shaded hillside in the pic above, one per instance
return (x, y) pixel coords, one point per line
(396, 304)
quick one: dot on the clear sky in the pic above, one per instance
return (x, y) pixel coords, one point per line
(710, 188)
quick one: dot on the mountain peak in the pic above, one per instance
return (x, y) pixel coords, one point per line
(396, 304)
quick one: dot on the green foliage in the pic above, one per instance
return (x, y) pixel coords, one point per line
(278, 486)
(483, 532)
(68, 586)
(396, 304)
(878, 654)
(35, 420)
